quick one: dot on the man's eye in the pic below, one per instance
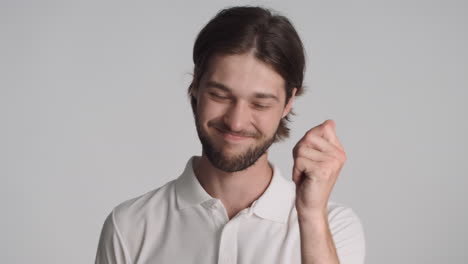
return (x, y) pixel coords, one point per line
(218, 96)
(260, 106)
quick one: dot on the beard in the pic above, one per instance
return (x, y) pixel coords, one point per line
(238, 162)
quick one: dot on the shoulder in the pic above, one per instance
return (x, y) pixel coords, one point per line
(124, 226)
(134, 211)
(347, 231)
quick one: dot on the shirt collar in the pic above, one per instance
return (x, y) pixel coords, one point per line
(274, 204)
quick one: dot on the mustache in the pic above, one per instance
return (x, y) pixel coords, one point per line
(224, 129)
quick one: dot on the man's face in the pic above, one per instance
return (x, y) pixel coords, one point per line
(240, 105)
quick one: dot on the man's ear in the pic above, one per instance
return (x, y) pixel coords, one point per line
(288, 107)
(194, 89)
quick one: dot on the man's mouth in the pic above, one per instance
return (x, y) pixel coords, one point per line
(232, 136)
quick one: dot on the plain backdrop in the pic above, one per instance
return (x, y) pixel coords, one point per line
(93, 111)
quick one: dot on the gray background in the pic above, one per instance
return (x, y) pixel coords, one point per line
(93, 112)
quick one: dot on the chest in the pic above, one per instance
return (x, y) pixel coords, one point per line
(209, 237)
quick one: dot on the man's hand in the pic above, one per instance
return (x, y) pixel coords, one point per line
(318, 159)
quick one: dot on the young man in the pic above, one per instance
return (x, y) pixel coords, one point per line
(231, 205)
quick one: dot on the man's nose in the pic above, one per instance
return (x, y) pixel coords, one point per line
(237, 117)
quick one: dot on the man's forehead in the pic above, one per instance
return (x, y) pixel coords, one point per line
(246, 73)
(259, 95)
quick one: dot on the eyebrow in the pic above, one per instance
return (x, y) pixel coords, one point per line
(226, 89)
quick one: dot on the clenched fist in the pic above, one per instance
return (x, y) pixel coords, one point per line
(318, 159)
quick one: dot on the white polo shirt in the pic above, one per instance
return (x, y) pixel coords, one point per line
(180, 222)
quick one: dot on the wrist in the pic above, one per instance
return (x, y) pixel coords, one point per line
(312, 215)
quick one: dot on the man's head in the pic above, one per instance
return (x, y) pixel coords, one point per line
(245, 58)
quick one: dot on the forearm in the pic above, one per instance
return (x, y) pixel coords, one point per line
(317, 246)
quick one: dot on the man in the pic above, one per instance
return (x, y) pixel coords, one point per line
(231, 205)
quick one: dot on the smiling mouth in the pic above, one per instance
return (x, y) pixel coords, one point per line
(232, 137)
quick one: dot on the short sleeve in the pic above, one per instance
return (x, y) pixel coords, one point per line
(348, 235)
(111, 248)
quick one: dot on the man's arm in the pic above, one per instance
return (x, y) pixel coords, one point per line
(317, 244)
(343, 230)
(318, 159)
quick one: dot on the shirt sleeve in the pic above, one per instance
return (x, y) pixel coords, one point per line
(111, 248)
(348, 235)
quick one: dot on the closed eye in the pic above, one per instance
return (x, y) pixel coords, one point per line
(218, 96)
(261, 106)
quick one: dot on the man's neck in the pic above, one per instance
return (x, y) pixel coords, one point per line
(236, 190)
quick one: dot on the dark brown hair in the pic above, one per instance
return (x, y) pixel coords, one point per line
(270, 37)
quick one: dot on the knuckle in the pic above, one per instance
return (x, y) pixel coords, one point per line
(314, 130)
(336, 163)
(342, 155)
(309, 134)
(298, 150)
(302, 150)
(311, 139)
